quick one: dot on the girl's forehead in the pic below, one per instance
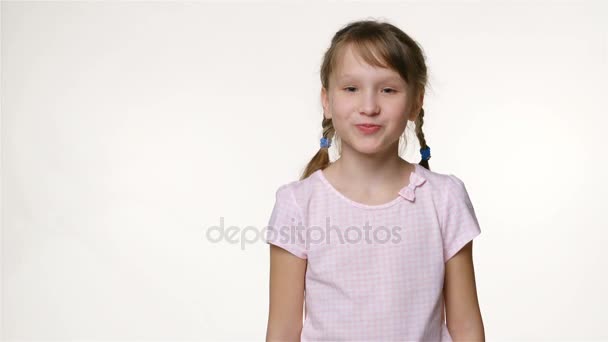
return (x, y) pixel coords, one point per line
(351, 64)
(367, 72)
(351, 57)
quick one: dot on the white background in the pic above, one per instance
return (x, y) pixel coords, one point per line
(129, 129)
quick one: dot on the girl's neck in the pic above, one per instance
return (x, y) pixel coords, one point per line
(369, 173)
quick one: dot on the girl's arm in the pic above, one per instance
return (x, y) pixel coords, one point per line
(287, 275)
(463, 317)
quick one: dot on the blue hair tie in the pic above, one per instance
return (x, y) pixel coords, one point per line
(426, 153)
(325, 142)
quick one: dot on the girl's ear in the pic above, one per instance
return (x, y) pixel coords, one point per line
(417, 107)
(325, 103)
(413, 115)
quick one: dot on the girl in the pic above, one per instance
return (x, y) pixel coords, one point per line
(374, 247)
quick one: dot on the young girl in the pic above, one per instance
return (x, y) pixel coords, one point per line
(373, 247)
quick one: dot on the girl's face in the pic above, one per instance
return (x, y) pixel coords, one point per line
(363, 94)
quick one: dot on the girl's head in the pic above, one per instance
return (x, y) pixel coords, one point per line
(372, 73)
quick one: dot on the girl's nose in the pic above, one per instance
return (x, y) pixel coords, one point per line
(369, 105)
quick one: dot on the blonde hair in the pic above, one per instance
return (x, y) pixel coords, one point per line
(395, 50)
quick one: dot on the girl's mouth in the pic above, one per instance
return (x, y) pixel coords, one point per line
(368, 128)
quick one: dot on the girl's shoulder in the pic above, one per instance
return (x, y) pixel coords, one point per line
(432, 177)
(443, 182)
(300, 189)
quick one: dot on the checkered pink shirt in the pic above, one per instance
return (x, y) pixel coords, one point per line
(375, 272)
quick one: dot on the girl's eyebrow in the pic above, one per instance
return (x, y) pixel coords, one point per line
(387, 78)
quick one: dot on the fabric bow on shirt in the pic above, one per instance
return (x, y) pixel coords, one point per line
(409, 192)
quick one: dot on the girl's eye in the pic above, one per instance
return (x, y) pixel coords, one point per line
(348, 89)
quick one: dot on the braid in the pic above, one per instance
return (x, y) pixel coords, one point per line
(321, 158)
(328, 128)
(420, 135)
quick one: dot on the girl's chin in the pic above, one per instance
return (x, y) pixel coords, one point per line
(368, 147)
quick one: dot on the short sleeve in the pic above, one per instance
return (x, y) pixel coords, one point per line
(285, 227)
(459, 224)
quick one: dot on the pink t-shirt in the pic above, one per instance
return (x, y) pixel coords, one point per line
(375, 272)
